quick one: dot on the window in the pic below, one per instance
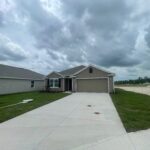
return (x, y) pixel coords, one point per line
(32, 83)
(51, 83)
(54, 83)
(90, 70)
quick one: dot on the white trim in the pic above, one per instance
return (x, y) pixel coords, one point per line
(98, 68)
(54, 87)
(15, 78)
(113, 74)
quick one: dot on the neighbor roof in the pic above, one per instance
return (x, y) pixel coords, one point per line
(21, 73)
(71, 71)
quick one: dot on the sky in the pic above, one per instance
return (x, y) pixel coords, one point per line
(52, 35)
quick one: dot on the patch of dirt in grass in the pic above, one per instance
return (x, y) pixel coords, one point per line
(96, 113)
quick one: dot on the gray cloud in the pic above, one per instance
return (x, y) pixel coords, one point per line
(103, 32)
(1, 18)
(10, 50)
(147, 36)
(104, 21)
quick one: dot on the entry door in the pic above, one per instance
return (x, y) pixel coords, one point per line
(68, 84)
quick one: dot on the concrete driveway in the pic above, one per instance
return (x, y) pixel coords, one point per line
(81, 121)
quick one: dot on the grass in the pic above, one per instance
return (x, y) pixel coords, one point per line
(133, 108)
(40, 99)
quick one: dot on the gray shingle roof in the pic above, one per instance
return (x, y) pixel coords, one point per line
(14, 72)
(72, 71)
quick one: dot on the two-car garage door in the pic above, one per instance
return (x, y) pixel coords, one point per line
(92, 85)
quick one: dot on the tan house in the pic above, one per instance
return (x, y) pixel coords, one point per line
(81, 79)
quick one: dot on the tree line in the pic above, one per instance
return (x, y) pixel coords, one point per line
(139, 80)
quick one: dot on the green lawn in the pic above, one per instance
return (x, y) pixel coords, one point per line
(133, 108)
(40, 98)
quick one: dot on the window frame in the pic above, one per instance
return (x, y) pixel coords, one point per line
(52, 80)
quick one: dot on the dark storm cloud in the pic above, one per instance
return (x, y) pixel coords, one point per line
(119, 60)
(85, 21)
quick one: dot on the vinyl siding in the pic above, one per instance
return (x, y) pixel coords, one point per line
(96, 73)
(19, 85)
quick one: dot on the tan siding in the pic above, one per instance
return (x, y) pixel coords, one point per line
(96, 73)
(92, 85)
(15, 86)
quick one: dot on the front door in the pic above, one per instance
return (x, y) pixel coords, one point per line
(68, 84)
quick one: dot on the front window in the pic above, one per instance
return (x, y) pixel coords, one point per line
(54, 83)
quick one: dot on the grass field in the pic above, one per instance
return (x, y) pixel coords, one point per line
(40, 98)
(133, 108)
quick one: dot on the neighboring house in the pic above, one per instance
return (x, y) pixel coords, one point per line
(81, 79)
(13, 79)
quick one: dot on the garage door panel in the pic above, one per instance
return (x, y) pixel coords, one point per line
(92, 85)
